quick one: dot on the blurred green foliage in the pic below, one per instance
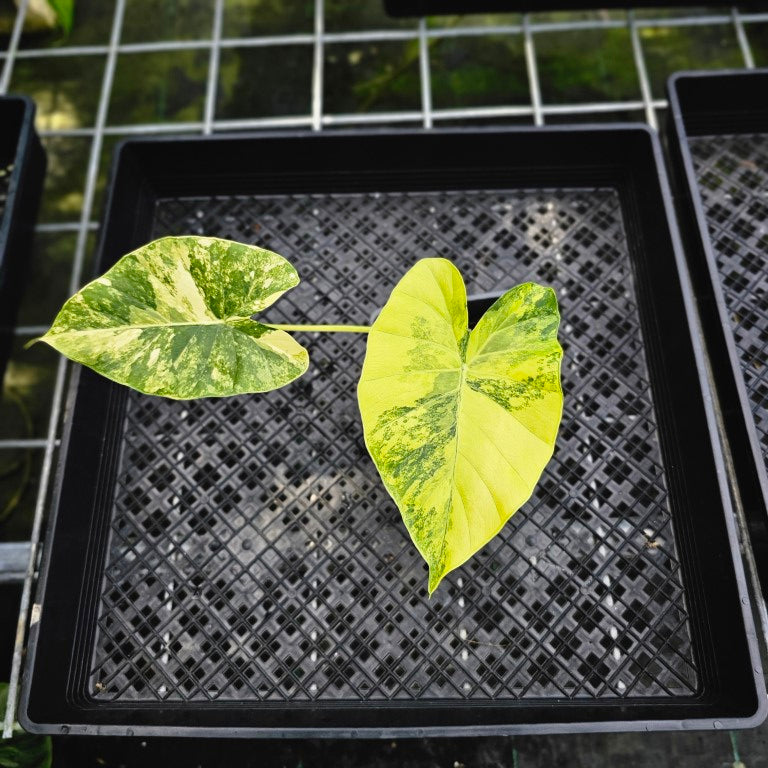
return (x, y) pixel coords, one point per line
(671, 49)
(376, 76)
(65, 89)
(148, 20)
(758, 37)
(363, 15)
(162, 86)
(250, 86)
(25, 403)
(48, 277)
(477, 20)
(250, 18)
(478, 71)
(593, 65)
(65, 10)
(23, 750)
(64, 177)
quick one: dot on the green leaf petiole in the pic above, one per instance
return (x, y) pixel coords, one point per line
(320, 328)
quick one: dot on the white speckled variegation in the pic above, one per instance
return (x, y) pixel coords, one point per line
(460, 425)
(173, 318)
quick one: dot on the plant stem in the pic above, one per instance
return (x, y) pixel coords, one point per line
(321, 328)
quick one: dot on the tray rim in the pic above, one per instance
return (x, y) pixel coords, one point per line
(450, 730)
(20, 154)
(747, 427)
(23, 197)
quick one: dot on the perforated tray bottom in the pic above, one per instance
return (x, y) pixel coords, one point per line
(255, 555)
(732, 172)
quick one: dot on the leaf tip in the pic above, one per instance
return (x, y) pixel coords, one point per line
(435, 577)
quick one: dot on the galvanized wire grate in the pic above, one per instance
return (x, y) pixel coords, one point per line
(95, 137)
(255, 555)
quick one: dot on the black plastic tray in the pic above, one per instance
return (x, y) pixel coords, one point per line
(719, 140)
(21, 151)
(445, 7)
(235, 567)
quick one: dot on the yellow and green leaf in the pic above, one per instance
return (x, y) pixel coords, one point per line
(173, 318)
(460, 424)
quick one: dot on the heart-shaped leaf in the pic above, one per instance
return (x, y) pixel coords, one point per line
(460, 425)
(173, 318)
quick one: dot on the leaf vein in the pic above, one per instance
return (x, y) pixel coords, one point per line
(415, 338)
(503, 455)
(485, 485)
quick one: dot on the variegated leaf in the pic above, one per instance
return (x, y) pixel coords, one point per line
(173, 318)
(460, 424)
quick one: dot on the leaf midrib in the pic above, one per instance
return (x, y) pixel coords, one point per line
(454, 487)
(464, 371)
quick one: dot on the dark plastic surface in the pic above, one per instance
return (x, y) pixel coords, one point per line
(22, 168)
(235, 567)
(445, 7)
(719, 138)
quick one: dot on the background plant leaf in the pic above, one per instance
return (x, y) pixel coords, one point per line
(173, 318)
(460, 425)
(65, 12)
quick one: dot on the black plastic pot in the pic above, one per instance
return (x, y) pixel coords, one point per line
(22, 168)
(236, 568)
(719, 140)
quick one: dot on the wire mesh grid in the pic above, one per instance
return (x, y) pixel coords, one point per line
(535, 107)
